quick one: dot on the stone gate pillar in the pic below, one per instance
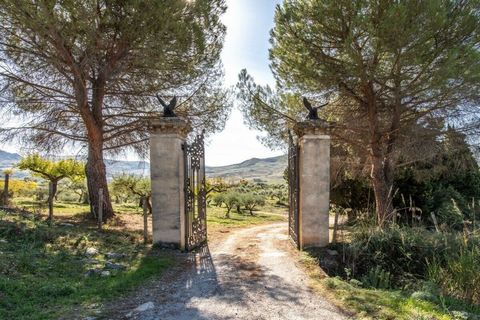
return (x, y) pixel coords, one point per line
(167, 171)
(314, 183)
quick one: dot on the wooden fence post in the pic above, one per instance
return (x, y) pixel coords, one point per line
(145, 221)
(100, 208)
(335, 226)
(50, 203)
(434, 218)
(5, 189)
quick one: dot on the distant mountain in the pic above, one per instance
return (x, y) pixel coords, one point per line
(268, 170)
(7, 156)
(7, 160)
(114, 167)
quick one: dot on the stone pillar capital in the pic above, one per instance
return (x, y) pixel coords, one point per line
(311, 127)
(171, 125)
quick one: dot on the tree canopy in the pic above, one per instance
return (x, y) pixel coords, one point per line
(391, 72)
(52, 170)
(86, 73)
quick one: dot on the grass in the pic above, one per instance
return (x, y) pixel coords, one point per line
(270, 213)
(366, 303)
(69, 208)
(379, 304)
(42, 269)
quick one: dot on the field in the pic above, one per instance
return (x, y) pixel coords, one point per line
(56, 272)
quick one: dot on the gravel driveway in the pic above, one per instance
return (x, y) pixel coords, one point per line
(247, 275)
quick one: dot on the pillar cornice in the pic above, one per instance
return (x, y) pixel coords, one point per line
(311, 127)
(172, 125)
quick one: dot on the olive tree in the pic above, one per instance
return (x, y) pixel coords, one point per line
(134, 185)
(52, 171)
(252, 201)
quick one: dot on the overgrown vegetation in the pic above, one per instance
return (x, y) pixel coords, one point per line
(50, 272)
(439, 268)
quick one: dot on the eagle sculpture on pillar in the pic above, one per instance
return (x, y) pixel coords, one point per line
(168, 109)
(312, 111)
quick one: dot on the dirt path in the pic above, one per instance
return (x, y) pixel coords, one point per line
(249, 275)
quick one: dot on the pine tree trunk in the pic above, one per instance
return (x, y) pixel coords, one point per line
(96, 179)
(383, 189)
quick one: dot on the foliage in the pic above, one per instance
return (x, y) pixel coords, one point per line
(52, 170)
(133, 185)
(42, 271)
(86, 73)
(405, 257)
(251, 201)
(365, 302)
(377, 278)
(372, 62)
(459, 277)
(446, 183)
(404, 252)
(21, 188)
(232, 199)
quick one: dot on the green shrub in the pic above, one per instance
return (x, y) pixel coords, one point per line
(377, 278)
(404, 252)
(460, 276)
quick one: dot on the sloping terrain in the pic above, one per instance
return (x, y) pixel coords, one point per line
(267, 170)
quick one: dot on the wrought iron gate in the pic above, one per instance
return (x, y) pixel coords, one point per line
(293, 191)
(195, 194)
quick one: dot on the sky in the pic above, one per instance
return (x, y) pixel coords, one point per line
(246, 45)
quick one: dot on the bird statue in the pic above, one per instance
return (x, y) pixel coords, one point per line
(168, 109)
(312, 111)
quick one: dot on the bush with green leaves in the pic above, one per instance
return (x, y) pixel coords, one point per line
(377, 278)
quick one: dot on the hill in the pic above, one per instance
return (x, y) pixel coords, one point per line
(268, 170)
(7, 160)
(114, 167)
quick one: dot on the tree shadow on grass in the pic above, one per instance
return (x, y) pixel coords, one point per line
(43, 269)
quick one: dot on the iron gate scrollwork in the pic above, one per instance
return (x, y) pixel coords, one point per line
(195, 194)
(293, 191)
